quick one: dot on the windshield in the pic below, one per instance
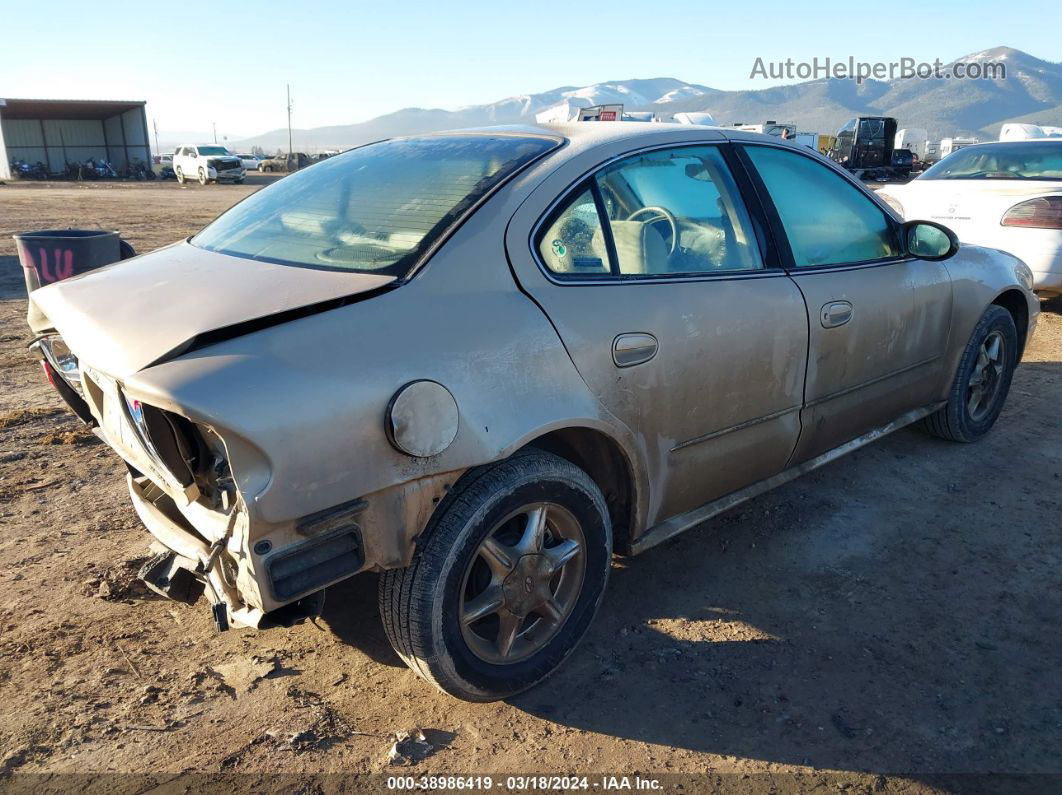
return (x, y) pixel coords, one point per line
(1034, 160)
(377, 208)
(213, 150)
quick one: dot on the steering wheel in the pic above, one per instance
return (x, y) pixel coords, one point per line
(660, 213)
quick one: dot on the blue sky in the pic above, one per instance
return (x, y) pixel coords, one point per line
(350, 61)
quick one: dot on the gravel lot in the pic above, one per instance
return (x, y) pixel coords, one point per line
(888, 619)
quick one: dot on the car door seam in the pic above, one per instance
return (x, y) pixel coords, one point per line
(807, 368)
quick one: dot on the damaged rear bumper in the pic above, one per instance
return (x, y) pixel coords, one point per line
(258, 588)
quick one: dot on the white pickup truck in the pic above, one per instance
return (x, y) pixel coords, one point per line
(207, 163)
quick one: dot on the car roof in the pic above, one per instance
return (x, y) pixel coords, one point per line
(592, 132)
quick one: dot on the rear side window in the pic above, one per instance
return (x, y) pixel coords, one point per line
(374, 209)
(573, 244)
(666, 212)
(827, 220)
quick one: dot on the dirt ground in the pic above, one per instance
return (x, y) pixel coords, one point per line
(886, 620)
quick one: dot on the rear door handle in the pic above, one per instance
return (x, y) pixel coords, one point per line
(835, 313)
(631, 349)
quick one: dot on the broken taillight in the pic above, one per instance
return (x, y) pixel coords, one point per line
(1043, 212)
(49, 372)
(60, 361)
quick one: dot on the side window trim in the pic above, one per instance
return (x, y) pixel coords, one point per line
(770, 251)
(764, 201)
(778, 229)
(766, 240)
(606, 227)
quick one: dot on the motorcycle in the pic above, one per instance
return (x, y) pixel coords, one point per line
(24, 170)
(139, 171)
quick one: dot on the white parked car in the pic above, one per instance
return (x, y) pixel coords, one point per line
(207, 163)
(250, 162)
(1005, 195)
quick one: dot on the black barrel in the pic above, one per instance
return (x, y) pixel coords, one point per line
(52, 255)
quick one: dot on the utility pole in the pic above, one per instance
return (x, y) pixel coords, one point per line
(155, 124)
(289, 121)
(215, 124)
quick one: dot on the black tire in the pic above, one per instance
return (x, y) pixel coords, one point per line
(955, 421)
(203, 180)
(177, 172)
(421, 604)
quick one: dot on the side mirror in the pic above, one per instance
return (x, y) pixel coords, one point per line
(929, 240)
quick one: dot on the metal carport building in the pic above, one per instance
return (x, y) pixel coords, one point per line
(60, 131)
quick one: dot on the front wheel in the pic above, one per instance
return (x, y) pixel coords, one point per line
(180, 175)
(983, 379)
(506, 578)
(202, 176)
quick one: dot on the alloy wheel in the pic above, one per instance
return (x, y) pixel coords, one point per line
(987, 377)
(522, 583)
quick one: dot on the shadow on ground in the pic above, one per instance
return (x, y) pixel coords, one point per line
(12, 282)
(350, 612)
(890, 613)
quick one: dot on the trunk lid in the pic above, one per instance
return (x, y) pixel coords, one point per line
(127, 316)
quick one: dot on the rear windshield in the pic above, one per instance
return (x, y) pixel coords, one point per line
(374, 209)
(1039, 160)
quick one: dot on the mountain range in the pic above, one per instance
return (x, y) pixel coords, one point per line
(1030, 92)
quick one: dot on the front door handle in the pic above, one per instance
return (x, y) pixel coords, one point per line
(631, 349)
(835, 313)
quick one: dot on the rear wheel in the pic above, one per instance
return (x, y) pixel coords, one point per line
(982, 382)
(506, 578)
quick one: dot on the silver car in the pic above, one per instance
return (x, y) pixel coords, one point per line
(482, 362)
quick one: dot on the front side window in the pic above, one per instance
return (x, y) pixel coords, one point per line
(373, 209)
(827, 220)
(667, 212)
